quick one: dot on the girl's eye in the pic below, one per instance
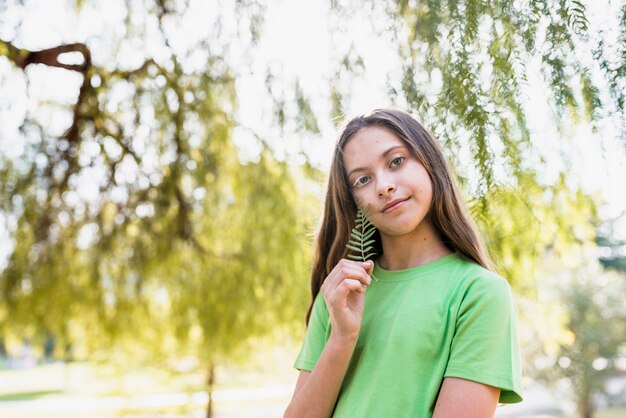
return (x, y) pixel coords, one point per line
(396, 161)
(361, 181)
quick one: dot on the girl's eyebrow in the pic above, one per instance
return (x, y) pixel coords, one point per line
(382, 157)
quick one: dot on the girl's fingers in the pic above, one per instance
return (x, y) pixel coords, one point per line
(369, 267)
(347, 278)
(347, 270)
(347, 286)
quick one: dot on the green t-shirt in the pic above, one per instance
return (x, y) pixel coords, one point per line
(448, 318)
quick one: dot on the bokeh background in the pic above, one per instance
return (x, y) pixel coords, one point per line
(163, 165)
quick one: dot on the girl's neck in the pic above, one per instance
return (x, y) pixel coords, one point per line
(421, 247)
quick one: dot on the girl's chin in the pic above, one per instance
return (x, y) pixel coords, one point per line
(397, 232)
(401, 229)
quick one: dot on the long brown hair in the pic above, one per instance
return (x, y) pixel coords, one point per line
(448, 212)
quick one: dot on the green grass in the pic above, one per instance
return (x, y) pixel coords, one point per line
(28, 396)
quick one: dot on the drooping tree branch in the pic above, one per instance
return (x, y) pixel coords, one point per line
(50, 56)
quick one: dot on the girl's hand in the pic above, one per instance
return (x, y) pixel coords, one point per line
(344, 293)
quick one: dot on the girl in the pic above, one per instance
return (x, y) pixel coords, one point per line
(435, 334)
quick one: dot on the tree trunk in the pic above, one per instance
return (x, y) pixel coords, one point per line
(210, 383)
(585, 407)
(3, 348)
(588, 411)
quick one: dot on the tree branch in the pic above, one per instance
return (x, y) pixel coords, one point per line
(50, 57)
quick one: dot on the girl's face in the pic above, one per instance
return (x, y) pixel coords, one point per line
(387, 180)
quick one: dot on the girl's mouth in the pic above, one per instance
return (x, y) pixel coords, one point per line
(393, 205)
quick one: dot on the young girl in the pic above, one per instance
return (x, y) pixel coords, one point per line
(434, 335)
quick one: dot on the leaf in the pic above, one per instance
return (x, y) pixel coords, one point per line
(360, 244)
(354, 248)
(369, 234)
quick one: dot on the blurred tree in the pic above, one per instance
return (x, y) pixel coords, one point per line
(138, 226)
(612, 250)
(526, 222)
(591, 304)
(467, 65)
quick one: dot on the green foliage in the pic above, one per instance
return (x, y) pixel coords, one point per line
(306, 118)
(576, 18)
(611, 249)
(182, 249)
(522, 223)
(594, 315)
(482, 53)
(361, 244)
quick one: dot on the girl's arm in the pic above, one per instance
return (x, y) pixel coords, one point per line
(316, 392)
(461, 398)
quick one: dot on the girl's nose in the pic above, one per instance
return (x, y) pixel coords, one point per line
(386, 187)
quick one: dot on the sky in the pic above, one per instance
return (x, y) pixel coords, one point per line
(300, 40)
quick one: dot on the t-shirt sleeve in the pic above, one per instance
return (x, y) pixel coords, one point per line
(316, 335)
(485, 346)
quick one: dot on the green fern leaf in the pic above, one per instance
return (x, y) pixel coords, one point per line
(360, 245)
(356, 249)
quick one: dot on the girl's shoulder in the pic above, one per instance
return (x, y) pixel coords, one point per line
(474, 277)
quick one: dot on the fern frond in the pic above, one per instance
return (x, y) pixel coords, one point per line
(360, 245)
